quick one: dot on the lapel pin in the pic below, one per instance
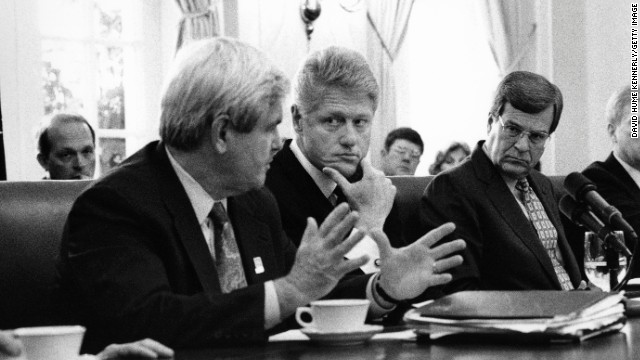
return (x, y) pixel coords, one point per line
(257, 263)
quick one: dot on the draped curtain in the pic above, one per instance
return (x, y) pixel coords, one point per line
(388, 22)
(198, 21)
(512, 32)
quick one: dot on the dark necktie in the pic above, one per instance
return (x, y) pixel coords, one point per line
(337, 197)
(226, 254)
(546, 231)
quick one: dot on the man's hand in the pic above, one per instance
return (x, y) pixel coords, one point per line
(407, 272)
(146, 348)
(9, 345)
(372, 196)
(320, 262)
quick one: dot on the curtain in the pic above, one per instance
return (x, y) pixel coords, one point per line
(388, 22)
(198, 21)
(511, 31)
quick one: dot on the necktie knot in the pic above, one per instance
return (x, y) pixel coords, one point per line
(522, 185)
(218, 214)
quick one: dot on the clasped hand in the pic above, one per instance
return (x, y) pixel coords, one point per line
(372, 197)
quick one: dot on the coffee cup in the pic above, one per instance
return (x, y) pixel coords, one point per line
(51, 342)
(340, 315)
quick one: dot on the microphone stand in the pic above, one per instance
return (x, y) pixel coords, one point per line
(631, 262)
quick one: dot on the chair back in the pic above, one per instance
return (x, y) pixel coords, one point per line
(32, 218)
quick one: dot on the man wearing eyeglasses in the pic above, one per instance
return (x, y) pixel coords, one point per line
(505, 210)
(402, 151)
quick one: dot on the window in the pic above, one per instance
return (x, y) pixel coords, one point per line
(445, 76)
(93, 63)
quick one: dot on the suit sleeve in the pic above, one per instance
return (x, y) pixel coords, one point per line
(118, 266)
(442, 202)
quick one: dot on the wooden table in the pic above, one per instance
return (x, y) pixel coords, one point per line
(619, 346)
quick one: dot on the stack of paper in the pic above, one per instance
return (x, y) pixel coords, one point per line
(556, 315)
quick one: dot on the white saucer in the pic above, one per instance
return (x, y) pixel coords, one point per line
(353, 337)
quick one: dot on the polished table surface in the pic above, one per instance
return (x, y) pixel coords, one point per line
(623, 345)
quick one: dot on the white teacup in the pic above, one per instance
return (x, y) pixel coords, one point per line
(340, 315)
(51, 342)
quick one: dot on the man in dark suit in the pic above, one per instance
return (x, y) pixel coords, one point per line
(618, 177)
(182, 243)
(506, 211)
(335, 98)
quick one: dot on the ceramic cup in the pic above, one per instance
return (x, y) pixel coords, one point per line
(341, 315)
(51, 342)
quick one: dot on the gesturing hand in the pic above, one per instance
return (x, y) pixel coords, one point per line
(147, 348)
(320, 261)
(372, 196)
(407, 272)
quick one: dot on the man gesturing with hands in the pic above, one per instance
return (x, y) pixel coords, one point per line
(183, 244)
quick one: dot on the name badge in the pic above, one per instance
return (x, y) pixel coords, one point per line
(257, 263)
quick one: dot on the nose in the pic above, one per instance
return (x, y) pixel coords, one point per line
(82, 160)
(276, 142)
(349, 136)
(522, 144)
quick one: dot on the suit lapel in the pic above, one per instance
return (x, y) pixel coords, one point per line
(508, 208)
(186, 225)
(616, 168)
(314, 199)
(254, 242)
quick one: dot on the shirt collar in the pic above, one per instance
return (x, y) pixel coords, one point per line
(324, 183)
(633, 172)
(201, 201)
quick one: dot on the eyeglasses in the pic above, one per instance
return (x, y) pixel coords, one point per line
(402, 151)
(515, 132)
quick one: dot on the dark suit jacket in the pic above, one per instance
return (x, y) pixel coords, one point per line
(503, 249)
(135, 260)
(618, 188)
(299, 197)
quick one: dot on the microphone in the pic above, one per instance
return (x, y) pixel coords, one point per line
(582, 216)
(584, 191)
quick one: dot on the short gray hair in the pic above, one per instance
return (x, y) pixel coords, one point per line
(333, 68)
(617, 104)
(212, 77)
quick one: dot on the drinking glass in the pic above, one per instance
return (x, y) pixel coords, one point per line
(595, 261)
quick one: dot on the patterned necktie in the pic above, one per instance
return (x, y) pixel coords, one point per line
(546, 231)
(226, 253)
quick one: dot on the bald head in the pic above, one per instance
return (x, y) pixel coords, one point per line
(66, 148)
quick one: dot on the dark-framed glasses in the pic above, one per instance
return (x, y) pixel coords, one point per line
(515, 132)
(402, 151)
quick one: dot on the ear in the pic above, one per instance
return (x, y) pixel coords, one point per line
(383, 152)
(611, 130)
(297, 118)
(220, 126)
(43, 161)
(489, 123)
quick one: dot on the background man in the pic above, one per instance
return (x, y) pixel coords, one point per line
(618, 177)
(506, 211)
(182, 243)
(402, 150)
(66, 148)
(335, 98)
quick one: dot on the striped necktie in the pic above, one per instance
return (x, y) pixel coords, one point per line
(546, 231)
(226, 254)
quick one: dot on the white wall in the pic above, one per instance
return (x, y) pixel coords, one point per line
(590, 59)
(275, 27)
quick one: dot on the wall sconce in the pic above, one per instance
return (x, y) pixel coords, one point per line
(309, 12)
